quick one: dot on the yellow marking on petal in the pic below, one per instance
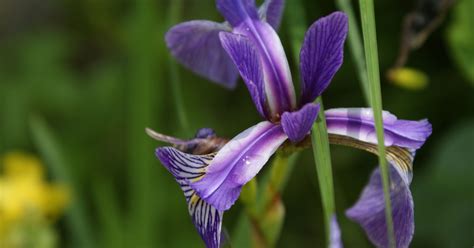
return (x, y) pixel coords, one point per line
(408, 78)
(197, 178)
(401, 157)
(194, 199)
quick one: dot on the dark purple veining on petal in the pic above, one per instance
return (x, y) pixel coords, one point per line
(245, 57)
(185, 167)
(298, 124)
(369, 211)
(322, 54)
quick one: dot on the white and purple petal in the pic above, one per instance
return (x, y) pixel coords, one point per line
(237, 163)
(321, 54)
(196, 45)
(358, 123)
(271, 11)
(297, 124)
(369, 211)
(278, 84)
(245, 57)
(186, 167)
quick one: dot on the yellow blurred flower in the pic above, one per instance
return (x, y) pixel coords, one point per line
(24, 190)
(408, 78)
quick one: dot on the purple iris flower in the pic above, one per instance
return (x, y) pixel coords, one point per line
(248, 44)
(197, 46)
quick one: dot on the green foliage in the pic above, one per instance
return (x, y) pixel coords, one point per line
(461, 37)
(373, 76)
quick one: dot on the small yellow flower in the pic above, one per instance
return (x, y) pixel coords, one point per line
(408, 78)
(24, 190)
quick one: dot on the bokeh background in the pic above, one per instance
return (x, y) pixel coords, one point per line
(80, 80)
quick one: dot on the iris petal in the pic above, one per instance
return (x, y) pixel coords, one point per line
(235, 12)
(196, 45)
(245, 57)
(358, 123)
(186, 167)
(336, 241)
(271, 12)
(297, 124)
(321, 54)
(369, 211)
(237, 163)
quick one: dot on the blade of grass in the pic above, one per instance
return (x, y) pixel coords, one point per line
(176, 89)
(320, 141)
(48, 146)
(355, 45)
(373, 74)
(322, 159)
(142, 54)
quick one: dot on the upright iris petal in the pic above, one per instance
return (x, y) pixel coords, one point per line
(196, 45)
(278, 84)
(321, 54)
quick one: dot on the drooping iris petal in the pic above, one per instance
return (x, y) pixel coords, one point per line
(237, 163)
(186, 167)
(196, 45)
(321, 54)
(297, 124)
(369, 211)
(336, 241)
(271, 12)
(244, 55)
(358, 123)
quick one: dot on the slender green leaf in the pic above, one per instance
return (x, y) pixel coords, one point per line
(461, 37)
(142, 54)
(373, 74)
(175, 81)
(355, 45)
(49, 148)
(320, 142)
(322, 159)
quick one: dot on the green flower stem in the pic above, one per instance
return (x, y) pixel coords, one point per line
(264, 207)
(320, 142)
(373, 74)
(355, 45)
(322, 159)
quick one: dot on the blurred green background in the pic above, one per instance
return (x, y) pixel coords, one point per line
(80, 80)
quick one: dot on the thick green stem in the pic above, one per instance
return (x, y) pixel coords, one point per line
(371, 56)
